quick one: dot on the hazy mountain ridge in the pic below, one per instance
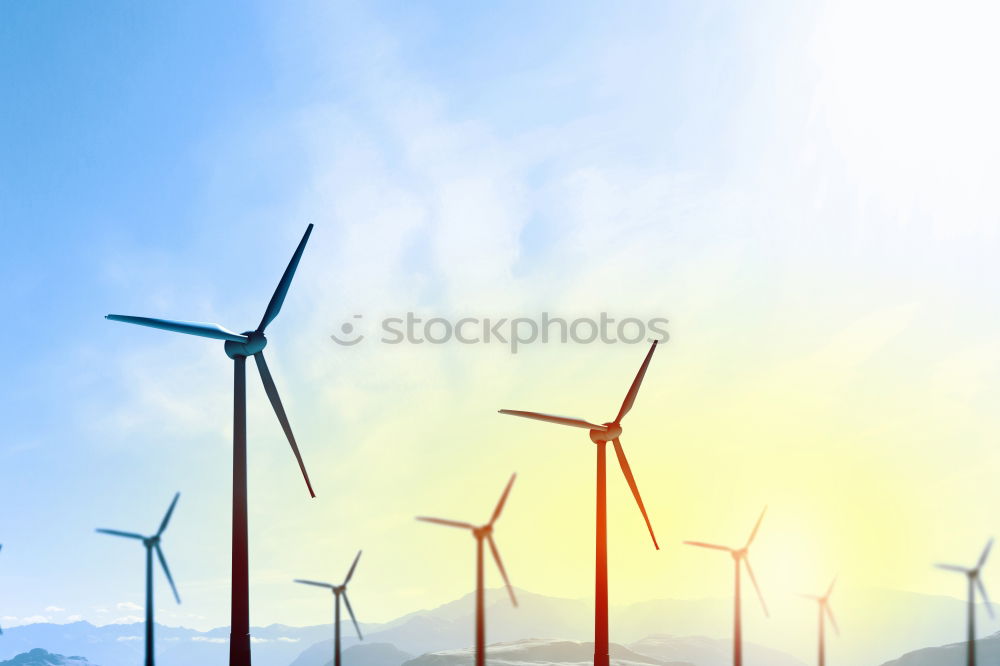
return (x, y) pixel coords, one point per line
(987, 652)
(539, 651)
(122, 644)
(374, 654)
(878, 626)
(703, 651)
(40, 657)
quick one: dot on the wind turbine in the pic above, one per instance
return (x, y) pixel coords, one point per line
(601, 435)
(338, 592)
(152, 543)
(824, 613)
(237, 347)
(975, 582)
(483, 533)
(739, 557)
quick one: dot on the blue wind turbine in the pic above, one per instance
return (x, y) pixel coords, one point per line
(238, 346)
(152, 543)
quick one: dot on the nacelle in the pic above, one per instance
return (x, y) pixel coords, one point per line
(613, 431)
(256, 343)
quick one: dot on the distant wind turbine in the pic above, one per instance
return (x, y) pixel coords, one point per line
(975, 583)
(824, 613)
(238, 346)
(483, 533)
(601, 435)
(338, 592)
(152, 543)
(739, 557)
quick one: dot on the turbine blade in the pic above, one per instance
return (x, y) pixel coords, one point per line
(503, 572)
(753, 535)
(986, 597)
(166, 518)
(753, 579)
(274, 306)
(833, 620)
(449, 523)
(551, 418)
(702, 544)
(952, 567)
(127, 535)
(166, 570)
(636, 383)
(313, 582)
(503, 499)
(350, 572)
(986, 553)
(198, 328)
(829, 590)
(272, 395)
(627, 471)
(350, 611)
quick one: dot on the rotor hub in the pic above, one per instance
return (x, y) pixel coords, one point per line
(255, 343)
(613, 431)
(482, 532)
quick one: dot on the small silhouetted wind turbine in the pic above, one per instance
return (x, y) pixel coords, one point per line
(975, 583)
(601, 435)
(238, 346)
(483, 533)
(824, 613)
(152, 543)
(338, 592)
(739, 557)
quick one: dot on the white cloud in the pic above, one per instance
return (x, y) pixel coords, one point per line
(126, 619)
(206, 639)
(34, 619)
(54, 609)
(123, 639)
(128, 605)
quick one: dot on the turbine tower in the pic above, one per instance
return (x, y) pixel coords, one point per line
(601, 435)
(483, 533)
(739, 558)
(338, 592)
(824, 613)
(237, 347)
(152, 543)
(974, 583)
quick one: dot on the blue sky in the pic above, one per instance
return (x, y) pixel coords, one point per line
(807, 192)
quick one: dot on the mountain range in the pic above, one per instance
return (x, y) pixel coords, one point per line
(878, 626)
(40, 657)
(987, 652)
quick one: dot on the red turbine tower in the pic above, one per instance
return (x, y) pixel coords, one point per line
(601, 435)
